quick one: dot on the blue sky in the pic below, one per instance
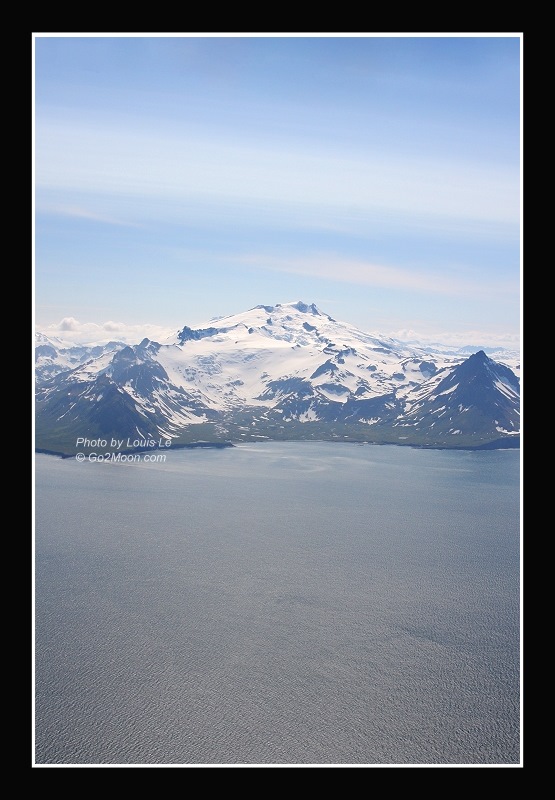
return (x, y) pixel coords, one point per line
(177, 179)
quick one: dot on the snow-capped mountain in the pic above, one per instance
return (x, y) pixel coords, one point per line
(478, 396)
(53, 356)
(283, 371)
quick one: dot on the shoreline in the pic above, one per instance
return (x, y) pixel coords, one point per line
(496, 444)
(134, 450)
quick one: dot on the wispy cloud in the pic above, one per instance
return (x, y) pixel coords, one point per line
(82, 213)
(123, 163)
(370, 274)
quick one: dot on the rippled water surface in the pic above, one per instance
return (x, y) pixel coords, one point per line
(279, 603)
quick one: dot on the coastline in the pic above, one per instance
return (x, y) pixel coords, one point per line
(134, 450)
(497, 444)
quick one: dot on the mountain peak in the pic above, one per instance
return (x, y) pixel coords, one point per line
(304, 308)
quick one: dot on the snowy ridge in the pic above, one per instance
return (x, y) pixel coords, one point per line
(244, 353)
(53, 355)
(278, 366)
(478, 391)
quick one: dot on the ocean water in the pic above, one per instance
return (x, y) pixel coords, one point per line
(279, 603)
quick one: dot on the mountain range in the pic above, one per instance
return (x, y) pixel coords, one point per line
(288, 371)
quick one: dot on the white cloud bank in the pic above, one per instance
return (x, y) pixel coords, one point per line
(476, 338)
(72, 332)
